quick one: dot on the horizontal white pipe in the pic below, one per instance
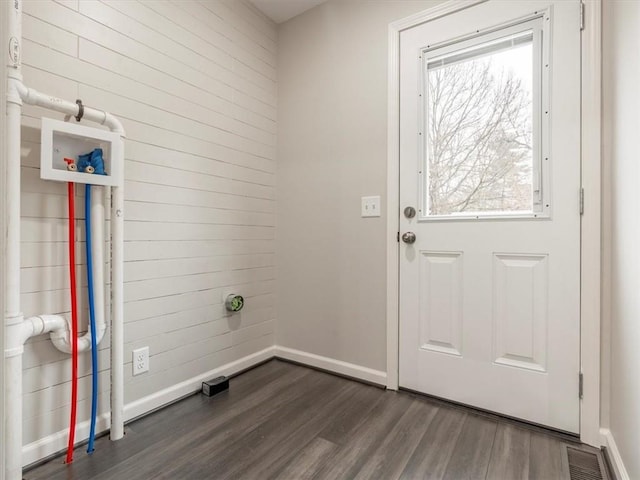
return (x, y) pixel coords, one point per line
(41, 324)
(33, 97)
(57, 326)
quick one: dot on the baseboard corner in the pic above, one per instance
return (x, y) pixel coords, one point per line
(332, 365)
(164, 397)
(608, 441)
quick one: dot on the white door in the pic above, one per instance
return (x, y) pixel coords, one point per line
(490, 161)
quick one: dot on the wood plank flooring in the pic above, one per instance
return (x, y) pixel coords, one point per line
(284, 421)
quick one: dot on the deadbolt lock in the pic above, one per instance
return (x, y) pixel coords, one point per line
(409, 212)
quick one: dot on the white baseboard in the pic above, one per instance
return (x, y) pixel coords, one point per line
(57, 442)
(168, 395)
(332, 365)
(614, 455)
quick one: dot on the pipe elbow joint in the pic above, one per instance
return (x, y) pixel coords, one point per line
(50, 323)
(114, 124)
(26, 94)
(60, 338)
(16, 90)
(84, 343)
(15, 336)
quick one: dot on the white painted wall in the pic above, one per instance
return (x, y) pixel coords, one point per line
(194, 84)
(332, 127)
(621, 81)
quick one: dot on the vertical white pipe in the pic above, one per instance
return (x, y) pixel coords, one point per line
(97, 247)
(14, 104)
(117, 324)
(13, 419)
(4, 46)
(13, 315)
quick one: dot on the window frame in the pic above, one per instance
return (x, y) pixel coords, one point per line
(539, 24)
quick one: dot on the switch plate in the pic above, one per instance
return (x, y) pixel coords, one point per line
(140, 360)
(371, 206)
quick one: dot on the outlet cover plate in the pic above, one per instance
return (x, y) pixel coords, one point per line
(140, 360)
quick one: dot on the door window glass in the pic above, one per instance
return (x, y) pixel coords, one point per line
(480, 129)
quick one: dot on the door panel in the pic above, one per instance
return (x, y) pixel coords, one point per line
(489, 291)
(441, 302)
(520, 311)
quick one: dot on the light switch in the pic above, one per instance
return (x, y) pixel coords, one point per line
(371, 206)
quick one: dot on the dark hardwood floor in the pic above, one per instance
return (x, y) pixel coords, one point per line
(289, 422)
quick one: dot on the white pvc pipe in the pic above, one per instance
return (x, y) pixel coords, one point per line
(97, 247)
(117, 324)
(13, 417)
(13, 316)
(33, 97)
(18, 330)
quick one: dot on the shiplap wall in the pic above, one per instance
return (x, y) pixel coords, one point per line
(194, 83)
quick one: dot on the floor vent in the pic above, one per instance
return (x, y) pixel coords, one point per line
(583, 465)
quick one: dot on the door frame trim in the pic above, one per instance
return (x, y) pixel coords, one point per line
(590, 228)
(4, 30)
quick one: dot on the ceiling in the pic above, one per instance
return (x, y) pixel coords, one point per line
(282, 10)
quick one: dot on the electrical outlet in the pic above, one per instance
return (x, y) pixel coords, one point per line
(140, 360)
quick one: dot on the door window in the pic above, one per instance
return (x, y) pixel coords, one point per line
(482, 124)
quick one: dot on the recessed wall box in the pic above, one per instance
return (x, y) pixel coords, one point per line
(62, 140)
